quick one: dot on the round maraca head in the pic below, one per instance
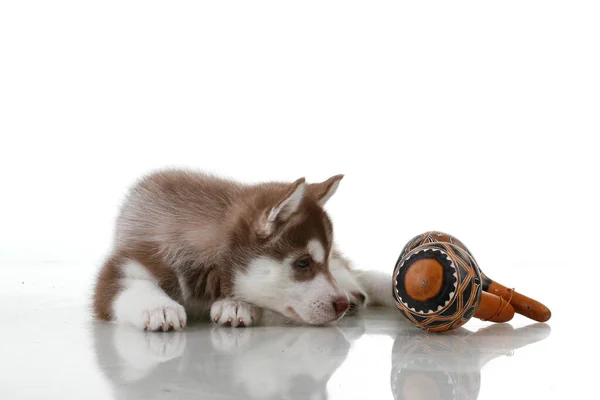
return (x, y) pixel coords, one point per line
(437, 286)
(431, 237)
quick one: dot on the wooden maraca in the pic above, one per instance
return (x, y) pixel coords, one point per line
(438, 287)
(522, 304)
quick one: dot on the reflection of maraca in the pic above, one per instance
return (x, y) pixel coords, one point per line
(437, 286)
(522, 304)
(449, 366)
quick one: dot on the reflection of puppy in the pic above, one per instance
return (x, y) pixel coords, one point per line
(128, 356)
(207, 362)
(449, 366)
(289, 363)
(187, 244)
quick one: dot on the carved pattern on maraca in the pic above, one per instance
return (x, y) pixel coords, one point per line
(461, 305)
(447, 289)
(433, 237)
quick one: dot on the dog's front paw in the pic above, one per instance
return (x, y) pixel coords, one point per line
(357, 301)
(342, 274)
(234, 313)
(165, 318)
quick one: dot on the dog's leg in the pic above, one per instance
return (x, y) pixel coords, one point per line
(127, 293)
(341, 272)
(378, 286)
(234, 313)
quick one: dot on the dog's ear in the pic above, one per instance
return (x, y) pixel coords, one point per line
(286, 206)
(324, 190)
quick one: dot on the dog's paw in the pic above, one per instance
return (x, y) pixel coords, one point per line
(234, 313)
(358, 300)
(165, 318)
(342, 274)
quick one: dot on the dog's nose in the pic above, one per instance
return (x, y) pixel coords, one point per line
(341, 305)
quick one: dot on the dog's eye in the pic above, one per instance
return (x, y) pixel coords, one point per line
(302, 263)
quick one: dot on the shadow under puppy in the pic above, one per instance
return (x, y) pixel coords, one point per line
(188, 244)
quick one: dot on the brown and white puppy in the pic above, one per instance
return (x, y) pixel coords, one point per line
(189, 244)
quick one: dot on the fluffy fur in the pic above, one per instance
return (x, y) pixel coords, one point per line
(188, 244)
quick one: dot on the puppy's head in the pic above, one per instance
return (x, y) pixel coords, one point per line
(289, 272)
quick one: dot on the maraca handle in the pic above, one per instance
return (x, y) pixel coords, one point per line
(522, 304)
(494, 308)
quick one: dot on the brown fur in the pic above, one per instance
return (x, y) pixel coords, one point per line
(107, 287)
(203, 228)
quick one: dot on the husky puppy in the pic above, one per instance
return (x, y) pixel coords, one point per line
(188, 244)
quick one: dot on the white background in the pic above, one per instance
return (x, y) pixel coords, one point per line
(480, 120)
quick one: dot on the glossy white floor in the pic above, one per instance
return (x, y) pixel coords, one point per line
(52, 349)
